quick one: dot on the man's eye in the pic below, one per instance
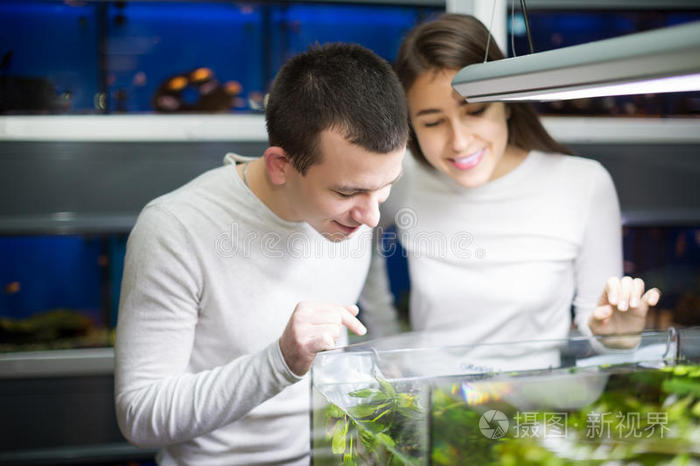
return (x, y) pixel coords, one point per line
(343, 195)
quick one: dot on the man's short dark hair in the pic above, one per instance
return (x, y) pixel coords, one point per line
(343, 87)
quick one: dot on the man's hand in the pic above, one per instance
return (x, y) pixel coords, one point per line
(315, 327)
(622, 309)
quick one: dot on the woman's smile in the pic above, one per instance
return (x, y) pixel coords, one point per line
(468, 161)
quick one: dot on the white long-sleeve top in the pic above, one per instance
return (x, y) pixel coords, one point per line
(504, 261)
(211, 278)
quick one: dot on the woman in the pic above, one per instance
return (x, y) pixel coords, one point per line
(504, 233)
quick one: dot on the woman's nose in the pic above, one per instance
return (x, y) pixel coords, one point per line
(461, 137)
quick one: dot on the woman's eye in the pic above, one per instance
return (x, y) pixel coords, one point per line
(430, 124)
(477, 111)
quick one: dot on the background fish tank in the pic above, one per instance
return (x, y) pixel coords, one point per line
(419, 399)
(103, 57)
(114, 57)
(59, 57)
(59, 286)
(66, 205)
(554, 25)
(59, 291)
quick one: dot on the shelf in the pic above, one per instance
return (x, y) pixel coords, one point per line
(75, 362)
(79, 454)
(67, 223)
(623, 130)
(133, 128)
(100, 224)
(659, 218)
(251, 128)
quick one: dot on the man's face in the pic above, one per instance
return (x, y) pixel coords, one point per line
(344, 190)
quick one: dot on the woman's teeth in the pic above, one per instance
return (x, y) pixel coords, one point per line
(470, 161)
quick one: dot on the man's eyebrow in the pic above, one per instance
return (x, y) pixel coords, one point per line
(357, 189)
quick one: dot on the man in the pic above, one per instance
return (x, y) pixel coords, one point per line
(234, 282)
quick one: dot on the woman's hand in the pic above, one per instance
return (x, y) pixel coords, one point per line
(622, 308)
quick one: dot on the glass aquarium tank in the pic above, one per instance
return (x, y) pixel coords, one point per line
(555, 25)
(426, 399)
(59, 291)
(107, 57)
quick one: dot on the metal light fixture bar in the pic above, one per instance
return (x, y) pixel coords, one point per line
(663, 60)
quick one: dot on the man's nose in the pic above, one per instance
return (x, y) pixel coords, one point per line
(366, 211)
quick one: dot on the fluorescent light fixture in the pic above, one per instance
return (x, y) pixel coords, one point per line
(663, 60)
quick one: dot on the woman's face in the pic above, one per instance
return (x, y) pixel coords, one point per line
(468, 142)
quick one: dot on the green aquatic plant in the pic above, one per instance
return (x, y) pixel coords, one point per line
(386, 427)
(653, 418)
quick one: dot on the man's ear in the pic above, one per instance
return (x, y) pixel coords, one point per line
(277, 165)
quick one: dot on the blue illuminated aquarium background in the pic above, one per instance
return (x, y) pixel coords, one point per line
(553, 29)
(115, 57)
(123, 57)
(59, 291)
